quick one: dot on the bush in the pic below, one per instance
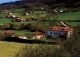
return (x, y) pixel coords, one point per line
(72, 45)
(2, 36)
(7, 26)
(42, 51)
(16, 27)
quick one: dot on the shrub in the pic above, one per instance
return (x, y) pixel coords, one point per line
(72, 45)
(7, 26)
(16, 27)
(42, 51)
(2, 36)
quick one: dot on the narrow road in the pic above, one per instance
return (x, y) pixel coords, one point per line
(63, 23)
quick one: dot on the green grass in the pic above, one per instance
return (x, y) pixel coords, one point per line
(5, 20)
(40, 50)
(9, 49)
(47, 40)
(73, 23)
(22, 32)
(61, 16)
(70, 16)
(19, 32)
(30, 15)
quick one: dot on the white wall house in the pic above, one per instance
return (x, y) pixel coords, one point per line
(57, 31)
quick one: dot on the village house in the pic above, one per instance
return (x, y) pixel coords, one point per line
(33, 36)
(10, 15)
(28, 12)
(37, 35)
(20, 19)
(9, 33)
(58, 31)
(22, 37)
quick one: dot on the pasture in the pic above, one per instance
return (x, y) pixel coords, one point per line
(73, 23)
(60, 16)
(9, 49)
(69, 16)
(20, 32)
(5, 20)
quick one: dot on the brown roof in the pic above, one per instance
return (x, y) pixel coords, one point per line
(37, 33)
(59, 28)
(9, 32)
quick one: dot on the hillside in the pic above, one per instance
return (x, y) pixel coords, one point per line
(9, 49)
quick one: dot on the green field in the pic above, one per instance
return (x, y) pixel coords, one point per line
(9, 49)
(61, 16)
(22, 32)
(69, 16)
(73, 23)
(20, 12)
(5, 20)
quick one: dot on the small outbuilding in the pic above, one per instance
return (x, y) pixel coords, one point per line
(8, 32)
(37, 35)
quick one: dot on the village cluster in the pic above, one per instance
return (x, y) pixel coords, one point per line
(52, 32)
(20, 19)
(64, 31)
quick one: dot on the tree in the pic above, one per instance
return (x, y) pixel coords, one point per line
(72, 45)
(29, 35)
(2, 36)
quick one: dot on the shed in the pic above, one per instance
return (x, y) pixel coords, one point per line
(37, 35)
(8, 32)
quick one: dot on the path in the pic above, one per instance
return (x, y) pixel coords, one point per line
(63, 23)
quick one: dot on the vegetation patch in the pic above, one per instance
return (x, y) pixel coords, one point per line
(5, 20)
(73, 23)
(9, 49)
(69, 16)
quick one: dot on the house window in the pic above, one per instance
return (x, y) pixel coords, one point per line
(59, 34)
(51, 33)
(54, 33)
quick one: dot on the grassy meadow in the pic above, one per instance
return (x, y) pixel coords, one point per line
(17, 32)
(9, 49)
(73, 23)
(5, 20)
(60, 16)
(69, 16)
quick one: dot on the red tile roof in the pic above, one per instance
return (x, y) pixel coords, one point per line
(59, 28)
(37, 33)
(9, 32)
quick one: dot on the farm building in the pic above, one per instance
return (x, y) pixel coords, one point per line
(8, 32)
(22, 37)
(37, 35)
(57, 31)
